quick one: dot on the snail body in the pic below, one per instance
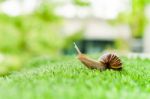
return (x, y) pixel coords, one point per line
(106, 61)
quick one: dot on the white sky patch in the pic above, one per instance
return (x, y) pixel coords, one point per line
(106, 9)
(83, 12)
(16, 7)
(67, 10)
(30, 5)
(11, 8)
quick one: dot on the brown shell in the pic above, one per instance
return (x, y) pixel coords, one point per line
(111, 61)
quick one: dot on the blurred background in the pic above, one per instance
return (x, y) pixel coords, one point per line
(48, 28)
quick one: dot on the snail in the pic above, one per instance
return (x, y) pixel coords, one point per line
(106, 61)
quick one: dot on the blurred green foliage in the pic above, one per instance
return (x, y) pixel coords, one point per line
(9, 63)
(38, 33)
(82, 2)
(121, 45)
(135, 18)
(138, 19)
(31, 35)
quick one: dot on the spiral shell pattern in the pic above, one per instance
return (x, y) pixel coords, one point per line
(111, 61)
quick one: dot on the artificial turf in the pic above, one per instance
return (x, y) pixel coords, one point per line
(69, 79)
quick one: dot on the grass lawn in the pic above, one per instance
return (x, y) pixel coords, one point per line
(69, 79)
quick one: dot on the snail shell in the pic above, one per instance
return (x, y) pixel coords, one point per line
(111, 61)
(106, 61)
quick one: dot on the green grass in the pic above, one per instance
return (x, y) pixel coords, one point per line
(69, 79)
